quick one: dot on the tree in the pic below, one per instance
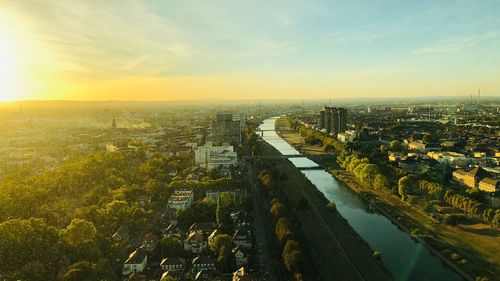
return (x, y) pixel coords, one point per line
(225, 258)
(220, 241)
(278, 210)
(225, 205)
(169, 246)
(283, 230)
(395, 146)
(80, 271)
(368, 173)
(117, 209)
(406, 184)
(79, 231)
(292, 256)
(380, 182)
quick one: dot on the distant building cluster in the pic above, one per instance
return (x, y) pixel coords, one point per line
(333, 120)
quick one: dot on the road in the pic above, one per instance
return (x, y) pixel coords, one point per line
(269, 262)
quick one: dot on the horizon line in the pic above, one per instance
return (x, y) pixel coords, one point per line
(247, 100)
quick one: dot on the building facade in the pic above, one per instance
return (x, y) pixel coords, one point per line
(333, 119)
(210, 156)
(181, 199)
(225, 129)
(470, 178)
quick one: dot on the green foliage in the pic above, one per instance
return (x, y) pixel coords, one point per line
(32, 243)
(169, 247)
(454, 219)
(221, 241)
(79, 231)
(380, 182)
(278, 210)
(331, 207)
(266, 179)
(293, 256)
(225, 206)
(78, 206)
(80, 271)
(395, 146)
(361, 168)
(284, 230)
(466, 204)
(433, 189)
(406, 184)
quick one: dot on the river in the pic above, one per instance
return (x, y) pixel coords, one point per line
(405, 258)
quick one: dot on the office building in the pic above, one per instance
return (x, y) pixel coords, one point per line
(225, 129)
(210, 156)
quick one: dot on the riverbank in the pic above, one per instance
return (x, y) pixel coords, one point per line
(442, 240)
(337, 250)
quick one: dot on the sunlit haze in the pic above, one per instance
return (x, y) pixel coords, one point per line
(185, 50)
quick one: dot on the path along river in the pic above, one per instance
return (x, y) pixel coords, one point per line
(405, 258)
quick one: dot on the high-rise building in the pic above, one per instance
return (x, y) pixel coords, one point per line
(333, 119)
(322, 119)
(328, 119)
(225, 129)
(342, 112)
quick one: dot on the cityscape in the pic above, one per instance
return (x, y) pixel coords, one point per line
(252, 141)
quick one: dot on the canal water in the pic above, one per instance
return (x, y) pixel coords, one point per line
(405, 258)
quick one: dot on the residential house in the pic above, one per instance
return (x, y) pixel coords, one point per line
(171, 230)
(212, 236)
(205, 228)
(136, 262)
(470, 178)
(214, 194)
(195, 243)
(492, 187)
(347, 136)
(240, 256)
(172, 264)
(203, 263)
(453, 159)
(136, 277)
(149, 242)
(181, 199)
(239, 217)
(424, 147)
(144, 200)
(489, 185)
(121, 234)
(243, 237)
(242, 275)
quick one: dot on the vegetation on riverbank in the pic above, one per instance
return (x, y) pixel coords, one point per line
(421, 199)
(324, 237)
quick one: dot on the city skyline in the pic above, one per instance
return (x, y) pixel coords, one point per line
(188, 50)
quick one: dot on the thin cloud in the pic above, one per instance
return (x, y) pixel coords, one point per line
(455, 44)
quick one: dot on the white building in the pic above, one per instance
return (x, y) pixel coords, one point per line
(181, 199)
(347, 136)
(136, 262)
(453, 159)
(210, 156)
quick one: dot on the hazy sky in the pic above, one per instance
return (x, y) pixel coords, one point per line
(163, 50)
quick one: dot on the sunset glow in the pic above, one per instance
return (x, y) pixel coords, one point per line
(173, 50)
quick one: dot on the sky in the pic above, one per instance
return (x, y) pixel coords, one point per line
(282, 49)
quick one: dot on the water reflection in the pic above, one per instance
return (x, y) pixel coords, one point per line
(406, 258)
